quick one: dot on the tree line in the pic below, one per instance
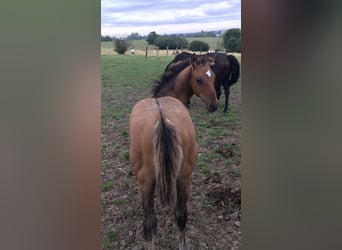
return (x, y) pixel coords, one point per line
(231, 41)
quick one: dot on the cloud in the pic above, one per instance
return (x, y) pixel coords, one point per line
(120, 18)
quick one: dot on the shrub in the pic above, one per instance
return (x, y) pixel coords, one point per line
(121, 45)
(171, 42)
(198, 46)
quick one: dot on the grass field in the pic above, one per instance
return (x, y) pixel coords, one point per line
(214, 206)
(107, 48)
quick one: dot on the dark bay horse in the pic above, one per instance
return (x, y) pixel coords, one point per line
(225, 67)
(163, 148)
(185, 78)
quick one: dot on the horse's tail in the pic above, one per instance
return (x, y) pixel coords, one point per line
(168, 158)
(234, 69)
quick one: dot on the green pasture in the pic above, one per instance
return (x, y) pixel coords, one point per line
(140, 45)
(213, 42)
(126, 79)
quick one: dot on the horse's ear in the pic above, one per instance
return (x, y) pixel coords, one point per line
(211, 61)
(193, 59)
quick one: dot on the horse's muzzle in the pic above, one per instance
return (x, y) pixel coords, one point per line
(212, 107)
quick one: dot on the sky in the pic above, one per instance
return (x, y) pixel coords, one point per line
(120, 18)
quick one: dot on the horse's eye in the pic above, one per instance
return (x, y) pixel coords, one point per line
(199, 80)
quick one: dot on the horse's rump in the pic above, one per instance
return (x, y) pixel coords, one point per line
(161, 137)
(235, 69)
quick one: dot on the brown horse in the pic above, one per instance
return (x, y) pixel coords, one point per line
(163, 146)
(188, 77)
(226, 69)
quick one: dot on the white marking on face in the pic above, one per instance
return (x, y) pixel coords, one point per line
(208, 73)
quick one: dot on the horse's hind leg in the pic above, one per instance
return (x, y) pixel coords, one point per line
(218, 88)
(150, 220)
(181, 212)
(226, 93)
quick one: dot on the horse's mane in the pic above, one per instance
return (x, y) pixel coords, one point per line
(180, 57)
(168, 76)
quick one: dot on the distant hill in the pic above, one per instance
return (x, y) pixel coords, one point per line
(213, 33)
(136, 36)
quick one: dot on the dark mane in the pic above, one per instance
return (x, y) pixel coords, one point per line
(168, 77)
(180, 57)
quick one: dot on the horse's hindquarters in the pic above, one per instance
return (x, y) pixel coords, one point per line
(163, 152)
(144, 116)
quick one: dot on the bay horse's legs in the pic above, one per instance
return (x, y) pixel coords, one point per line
(181, 212)
(150, 220)
(226, 93)
(218, 88)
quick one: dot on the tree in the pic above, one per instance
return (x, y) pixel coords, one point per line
(198, 46)
(106, 39)
(121, 45)
(232, 40)
(152, 36)
(164, 42)
(134, 36)
(233, 45)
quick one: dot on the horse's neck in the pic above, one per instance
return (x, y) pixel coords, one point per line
(181, 88)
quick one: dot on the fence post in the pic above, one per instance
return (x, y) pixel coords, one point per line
(167, 50)
(146, 52)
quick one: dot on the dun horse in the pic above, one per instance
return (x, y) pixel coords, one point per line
(225, 67)
(163, 148)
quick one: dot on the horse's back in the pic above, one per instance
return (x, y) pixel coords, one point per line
(147, 111)
(221, 66)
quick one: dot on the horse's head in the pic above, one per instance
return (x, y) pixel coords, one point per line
(202, 81)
